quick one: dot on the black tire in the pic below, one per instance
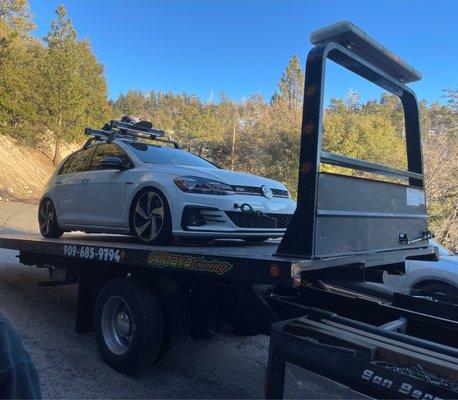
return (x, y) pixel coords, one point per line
(176, 315)
(164, 234)
(47, 220)
(142, 345)
(255, 239)
(436, 287)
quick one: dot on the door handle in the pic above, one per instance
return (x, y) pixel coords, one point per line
(85, 180)
(58, 182)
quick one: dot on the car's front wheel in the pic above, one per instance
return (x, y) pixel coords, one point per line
(150, 220)
(47, 220)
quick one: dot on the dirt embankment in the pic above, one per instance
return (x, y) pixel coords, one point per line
(24, 170)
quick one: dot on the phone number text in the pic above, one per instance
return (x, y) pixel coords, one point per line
(92, 253)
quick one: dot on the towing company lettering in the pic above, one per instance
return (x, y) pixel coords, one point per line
(188, 262)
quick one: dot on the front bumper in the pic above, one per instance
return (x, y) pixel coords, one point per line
(218, 216)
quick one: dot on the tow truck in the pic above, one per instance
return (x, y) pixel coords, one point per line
(304, 291)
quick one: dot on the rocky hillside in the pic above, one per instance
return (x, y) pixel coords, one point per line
(24, 170)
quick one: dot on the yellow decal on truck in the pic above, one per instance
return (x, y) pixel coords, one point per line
(188, 262)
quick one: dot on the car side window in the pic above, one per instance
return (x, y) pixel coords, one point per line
(65, 166)
(109, 150)
(80, 161)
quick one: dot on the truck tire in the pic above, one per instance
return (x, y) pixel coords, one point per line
(128, 325)
(176, 315)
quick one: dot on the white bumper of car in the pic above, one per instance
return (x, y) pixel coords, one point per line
(218, 216)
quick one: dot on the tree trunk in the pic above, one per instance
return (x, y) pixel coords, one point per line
(56, 159)
(57, 136)
(234, 138)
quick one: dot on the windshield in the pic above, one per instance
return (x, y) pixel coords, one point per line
(152, 154)
(442, 250)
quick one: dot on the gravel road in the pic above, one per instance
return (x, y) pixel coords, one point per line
(226, 366)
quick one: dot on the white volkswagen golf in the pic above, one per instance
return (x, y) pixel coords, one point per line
(119, 184)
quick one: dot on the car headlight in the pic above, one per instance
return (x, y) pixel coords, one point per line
(194, 184)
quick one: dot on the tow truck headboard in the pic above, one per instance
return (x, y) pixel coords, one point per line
(341, 215)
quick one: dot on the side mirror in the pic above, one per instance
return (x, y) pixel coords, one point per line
(112, 163)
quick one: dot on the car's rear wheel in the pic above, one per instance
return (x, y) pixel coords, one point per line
(150, 220)
(47, 220)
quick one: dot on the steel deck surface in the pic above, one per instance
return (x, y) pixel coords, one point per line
(232, 248)
(226, 247)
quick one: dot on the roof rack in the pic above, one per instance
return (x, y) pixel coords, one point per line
(127, 127)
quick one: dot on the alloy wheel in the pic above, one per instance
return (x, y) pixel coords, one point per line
(46, 217)
(148, 216)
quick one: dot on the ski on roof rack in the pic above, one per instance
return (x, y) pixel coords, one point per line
(127, 127)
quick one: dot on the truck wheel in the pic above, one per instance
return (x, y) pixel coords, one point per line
(176, 315)
(47, 220)
(128, 325)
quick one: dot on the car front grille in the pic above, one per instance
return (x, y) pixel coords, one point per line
(259, 220)
(280, 193)
(254, 190)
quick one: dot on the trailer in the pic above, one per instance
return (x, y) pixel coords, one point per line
(144, 301)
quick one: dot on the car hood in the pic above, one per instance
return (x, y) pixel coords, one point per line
(452, 259)
(222, 175)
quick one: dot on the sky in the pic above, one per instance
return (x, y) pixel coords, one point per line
(241, 47)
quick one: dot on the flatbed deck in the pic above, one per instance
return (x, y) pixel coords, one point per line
(226, 247)
(227, 259)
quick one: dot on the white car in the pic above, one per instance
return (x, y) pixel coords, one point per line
(427, 276)
(154, 192)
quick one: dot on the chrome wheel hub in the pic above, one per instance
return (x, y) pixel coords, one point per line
(122, 324)
(117, 325)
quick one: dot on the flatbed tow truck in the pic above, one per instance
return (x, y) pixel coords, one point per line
(304, 291)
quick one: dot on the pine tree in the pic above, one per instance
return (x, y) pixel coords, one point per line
(132, 104)
(15, 16)
(291, 85)
(74, 90)
(20, 55)
(353, 99)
